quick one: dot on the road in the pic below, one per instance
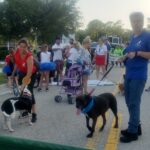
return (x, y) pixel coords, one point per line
(58, 122)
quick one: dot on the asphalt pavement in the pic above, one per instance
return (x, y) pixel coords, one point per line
(58, 122)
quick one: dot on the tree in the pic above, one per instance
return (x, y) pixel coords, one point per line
(43, 19)
(97, 28)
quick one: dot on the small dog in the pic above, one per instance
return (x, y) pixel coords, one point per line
(94, 106)
(121, 88)
(11, 105)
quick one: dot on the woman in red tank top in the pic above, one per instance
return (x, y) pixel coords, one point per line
(24, 62)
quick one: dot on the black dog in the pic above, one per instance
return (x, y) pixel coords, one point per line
(95, 106)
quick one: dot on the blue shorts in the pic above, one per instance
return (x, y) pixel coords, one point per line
(87, 72)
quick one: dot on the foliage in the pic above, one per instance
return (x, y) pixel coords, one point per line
(97, 28)
(3, 53)
(41, 19)
(2, 78)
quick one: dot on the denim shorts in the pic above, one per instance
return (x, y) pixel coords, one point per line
(86, 72)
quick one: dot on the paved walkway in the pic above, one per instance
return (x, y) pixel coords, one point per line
(58, 123)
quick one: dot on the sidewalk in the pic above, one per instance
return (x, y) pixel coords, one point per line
(4, 90)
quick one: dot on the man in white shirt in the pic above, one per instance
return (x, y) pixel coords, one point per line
(57, 48)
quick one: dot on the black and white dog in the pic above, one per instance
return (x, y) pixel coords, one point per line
(11, 105)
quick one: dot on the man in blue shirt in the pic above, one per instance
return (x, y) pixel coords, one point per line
(136, 62)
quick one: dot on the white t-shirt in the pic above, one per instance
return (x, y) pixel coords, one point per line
(86, 56)
(74, 55)
(101, 50)
(57, 53)
(45, 57)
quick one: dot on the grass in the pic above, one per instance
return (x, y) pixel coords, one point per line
(3, 78)
(1, 65)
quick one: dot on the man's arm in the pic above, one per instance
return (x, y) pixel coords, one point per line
(143, 54)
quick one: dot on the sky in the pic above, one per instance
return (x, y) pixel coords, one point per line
(112, 10)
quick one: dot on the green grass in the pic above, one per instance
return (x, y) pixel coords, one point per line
(1, 65)
(3, 78)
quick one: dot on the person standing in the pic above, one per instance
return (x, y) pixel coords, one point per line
(108, 45)
(100, 57)
(27, 70)
(9, 64)
(85, 57)
(57, 49)
(45, 57)
(136, 58)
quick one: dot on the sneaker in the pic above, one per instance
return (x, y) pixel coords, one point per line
(147, 90)
(46, 89)
(125, 132)
(34, 118)
(129, 138)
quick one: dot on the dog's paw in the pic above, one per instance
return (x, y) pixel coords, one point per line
(116, 126)
(11, 130)
(30, 123)
(89, 135)
(101, 129)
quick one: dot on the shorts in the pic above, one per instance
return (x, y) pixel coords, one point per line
(100, 60)
(59, 65)
(86, 70)
(10, 74)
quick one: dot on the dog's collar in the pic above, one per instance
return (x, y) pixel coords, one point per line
(88, 107)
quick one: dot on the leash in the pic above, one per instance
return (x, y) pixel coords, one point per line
(16, 90)
(106, 73)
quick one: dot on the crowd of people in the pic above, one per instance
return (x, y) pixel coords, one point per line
(136, 55)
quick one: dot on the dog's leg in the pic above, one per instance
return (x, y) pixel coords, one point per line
(8, 121)
(104, 122)
(5, 123)
(116, 121)
(93, 127)
(116, 116)
(87, 123)
(29, 120)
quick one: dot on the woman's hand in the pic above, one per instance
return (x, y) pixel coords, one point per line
(26, 80)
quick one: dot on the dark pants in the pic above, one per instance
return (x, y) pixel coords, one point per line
(68, 65)
(133, 93)
(30, 86)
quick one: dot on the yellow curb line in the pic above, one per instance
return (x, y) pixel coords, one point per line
(113, 136)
